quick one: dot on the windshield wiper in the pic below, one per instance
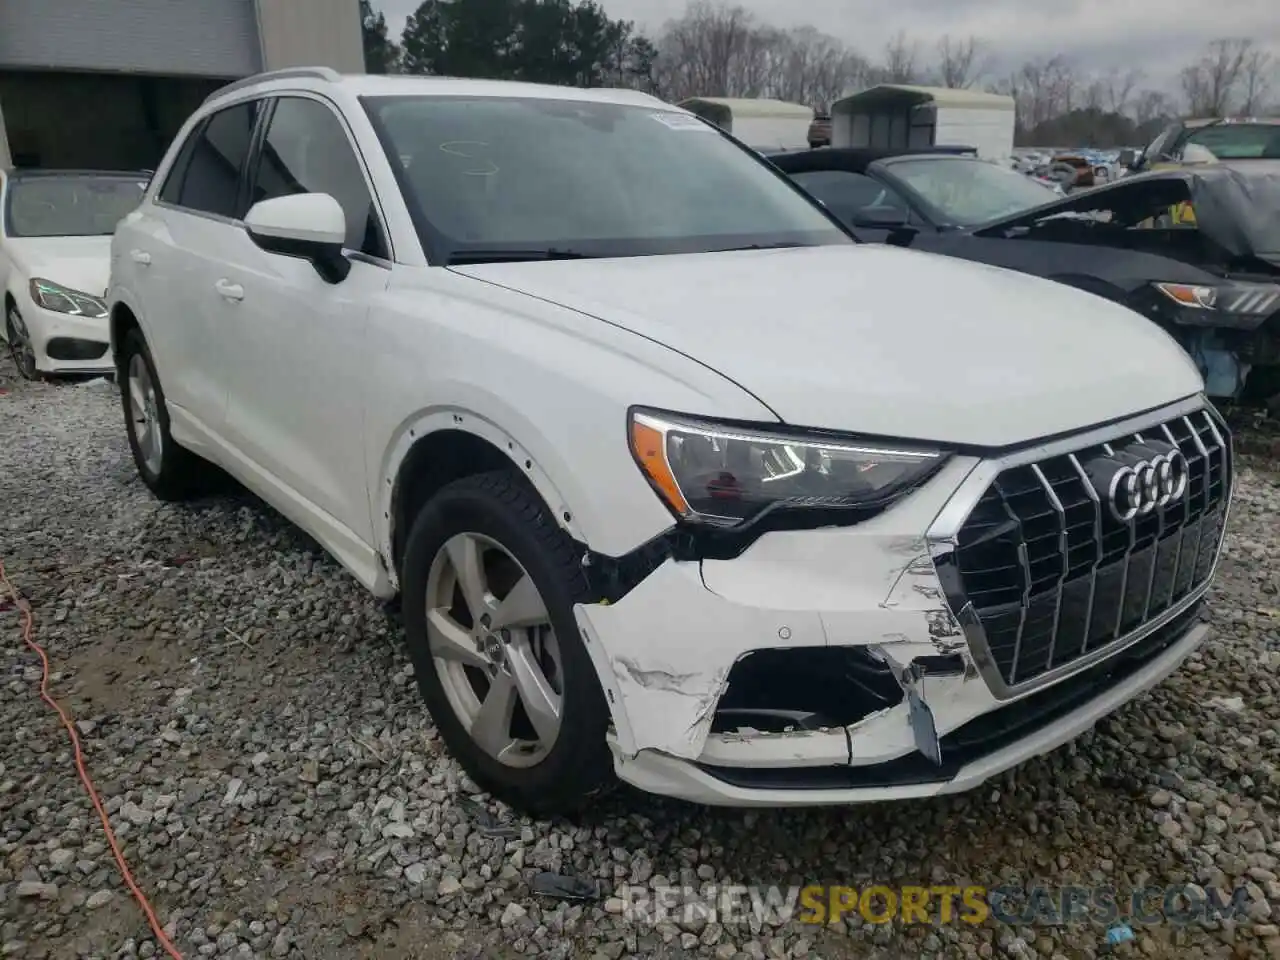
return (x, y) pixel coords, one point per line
(761, 246)
(515, 256)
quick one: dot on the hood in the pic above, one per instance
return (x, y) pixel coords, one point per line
(1234, 203)
(81, 263)
(882, 341)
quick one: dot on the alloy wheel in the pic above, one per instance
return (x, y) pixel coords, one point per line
(494, 649)
(20, 347)
(144, 419)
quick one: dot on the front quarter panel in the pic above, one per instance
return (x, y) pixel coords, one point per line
(548, 386)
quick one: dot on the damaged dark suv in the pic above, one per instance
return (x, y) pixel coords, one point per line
(1196, 249)
(1212, 280)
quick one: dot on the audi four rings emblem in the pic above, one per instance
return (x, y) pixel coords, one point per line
(1134, 482)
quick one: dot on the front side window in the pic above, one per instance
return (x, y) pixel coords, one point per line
(1239, 141)
(853, 197)
(585, 178)
(306, 150)
(966, 193)
(207, 176)
(78, 205)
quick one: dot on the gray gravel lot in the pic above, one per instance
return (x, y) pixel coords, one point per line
(253, 727)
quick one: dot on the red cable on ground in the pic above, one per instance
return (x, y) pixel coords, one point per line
(28, 637)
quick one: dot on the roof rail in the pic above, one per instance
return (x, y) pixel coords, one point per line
(313, 73)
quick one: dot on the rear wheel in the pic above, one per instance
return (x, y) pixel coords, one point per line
(488, 587)
(168, 470)
(20, 347)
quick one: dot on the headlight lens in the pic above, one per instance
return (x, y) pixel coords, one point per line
(727, 475)
(1250, 299)
(60, 299)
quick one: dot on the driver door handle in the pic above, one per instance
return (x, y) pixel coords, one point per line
(140, 256)
(229, 290)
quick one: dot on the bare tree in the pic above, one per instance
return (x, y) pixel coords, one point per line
(1046, 89)
(716, 50)
(1094, 96)
(701, 53)
(960, 62)
(1210, 83)
(1152, 106)
(1256, 75)
(814, 68)
(1118, 86)
(900, 60)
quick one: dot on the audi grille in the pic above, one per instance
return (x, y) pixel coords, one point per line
(1068, 556)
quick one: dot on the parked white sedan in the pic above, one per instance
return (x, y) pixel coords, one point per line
(55, 251)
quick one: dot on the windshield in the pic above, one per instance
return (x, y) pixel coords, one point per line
(72, 206)
(965, 193)
(1240, 141)
(585, 178)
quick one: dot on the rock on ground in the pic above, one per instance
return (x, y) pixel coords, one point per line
(252, 724)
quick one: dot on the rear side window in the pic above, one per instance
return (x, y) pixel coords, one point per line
(206, 176)
(306, 150)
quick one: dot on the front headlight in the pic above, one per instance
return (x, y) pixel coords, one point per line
(726, 475)
(60, 299)
(1249, 299)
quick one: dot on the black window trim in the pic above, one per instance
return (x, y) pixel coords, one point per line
(198, 130)
(249, 178)
(177, 170)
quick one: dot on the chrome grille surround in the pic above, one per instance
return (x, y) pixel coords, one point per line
(1071, 586)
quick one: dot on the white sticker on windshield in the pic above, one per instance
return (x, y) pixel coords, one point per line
(681, 121)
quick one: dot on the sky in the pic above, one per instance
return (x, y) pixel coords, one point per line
(1157, 36)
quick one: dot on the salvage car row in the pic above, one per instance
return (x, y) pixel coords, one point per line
(938, 522)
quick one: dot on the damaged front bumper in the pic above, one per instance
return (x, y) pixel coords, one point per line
(828, 666)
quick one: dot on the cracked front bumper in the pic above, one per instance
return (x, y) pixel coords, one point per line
(673, 652)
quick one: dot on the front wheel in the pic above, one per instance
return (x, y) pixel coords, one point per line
(169, 471)
(488, 589)
(21, 348)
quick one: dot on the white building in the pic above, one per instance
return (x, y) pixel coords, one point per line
(107, 83)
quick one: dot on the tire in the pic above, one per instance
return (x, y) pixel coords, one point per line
(20, 349)
(174, 474)
(513, 532)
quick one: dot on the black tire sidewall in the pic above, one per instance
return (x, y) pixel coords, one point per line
(501, 507)
(170, 481)
(9, 314)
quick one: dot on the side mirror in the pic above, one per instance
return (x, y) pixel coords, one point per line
(1128, 158)
(880, 217)
(309, 226)
(902, 236)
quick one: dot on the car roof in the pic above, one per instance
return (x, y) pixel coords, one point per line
(390, 85)
(1200, 122)
(41, 173)
(857, 159)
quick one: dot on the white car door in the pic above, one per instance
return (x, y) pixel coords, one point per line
(171, 250)
(295, 404)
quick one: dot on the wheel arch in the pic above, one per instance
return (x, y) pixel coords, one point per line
(122, 320)
(437, 447)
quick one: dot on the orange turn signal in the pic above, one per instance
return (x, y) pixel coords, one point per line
(649, 447)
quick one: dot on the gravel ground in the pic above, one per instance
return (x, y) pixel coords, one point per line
(251, 722)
